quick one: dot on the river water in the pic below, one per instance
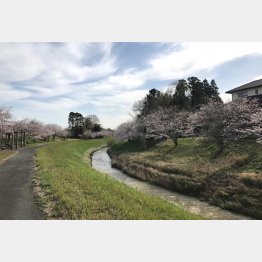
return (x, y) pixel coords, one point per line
(102, 162)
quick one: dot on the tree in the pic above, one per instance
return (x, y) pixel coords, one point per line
(91, 122)
(151, 101)
(165, 99)
(76, 124)
(127, 131)
(5, 118)
(197, 93)
(211, 91)
(96, 128)
(180, 98)
(54, 130)
(167, 121)
(93, 118)
(238, 119)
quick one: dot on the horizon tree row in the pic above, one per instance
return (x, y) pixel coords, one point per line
(187, 94)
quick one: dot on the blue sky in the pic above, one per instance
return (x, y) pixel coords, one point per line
(46, 81)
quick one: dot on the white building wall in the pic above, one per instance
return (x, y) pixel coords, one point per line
(250, 92)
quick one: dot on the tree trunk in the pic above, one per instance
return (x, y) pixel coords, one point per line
(221, 145)
(21, 139)
(24, 139)
(175, 141)
(16, 143)
(13, 141)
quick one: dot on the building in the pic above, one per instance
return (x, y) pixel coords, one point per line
(251, 89)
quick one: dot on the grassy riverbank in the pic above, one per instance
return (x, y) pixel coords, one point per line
(70, 189)
(233, 180)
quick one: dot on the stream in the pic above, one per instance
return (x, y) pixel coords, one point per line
(102, 162)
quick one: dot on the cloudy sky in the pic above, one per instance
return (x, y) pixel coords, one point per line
(46, 81)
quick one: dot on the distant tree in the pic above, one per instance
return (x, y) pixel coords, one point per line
(128, 131)
(5, 117)
(54, 130)
(197, 93)
(211, 91)
(165, 99)
(76, 124)
(88, 125)
(91, 122)
(151, 101)
(180, 98)
(96, 128)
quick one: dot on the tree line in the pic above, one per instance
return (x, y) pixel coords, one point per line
(192, 108)
(86, 127)
(21, 130)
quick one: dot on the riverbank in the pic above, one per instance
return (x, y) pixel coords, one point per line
(102, 162)
(72, 189)
(231, 181)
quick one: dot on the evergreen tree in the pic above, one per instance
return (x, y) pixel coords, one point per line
(180, 97)
(214, 94)
(76, 124)
(197, 93)
(151, 101)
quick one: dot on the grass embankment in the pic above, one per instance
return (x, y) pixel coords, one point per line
(4, 154)
(77, 191)
(233, 180)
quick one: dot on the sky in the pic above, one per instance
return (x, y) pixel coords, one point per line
(46, 81)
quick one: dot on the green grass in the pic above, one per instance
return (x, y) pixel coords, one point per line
(232, 180)
(77, 191)
(5, 153)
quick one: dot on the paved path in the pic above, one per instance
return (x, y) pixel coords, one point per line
(102, 162)
(16, 191)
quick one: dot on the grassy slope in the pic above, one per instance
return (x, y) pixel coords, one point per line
(80, 192)
(196, 155)
(233, 180)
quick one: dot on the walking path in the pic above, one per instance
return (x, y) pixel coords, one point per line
(16, 191)
(102, 162)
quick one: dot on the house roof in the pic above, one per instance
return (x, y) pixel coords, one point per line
(246, 86)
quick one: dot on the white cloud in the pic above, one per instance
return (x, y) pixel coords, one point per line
(9, 94)
(195, 57)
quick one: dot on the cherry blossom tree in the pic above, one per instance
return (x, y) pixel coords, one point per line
(5, 118)
(128, 131)
(238, 119)
(168, 121)
(53, 130)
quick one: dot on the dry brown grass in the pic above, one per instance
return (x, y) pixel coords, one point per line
(233, 180)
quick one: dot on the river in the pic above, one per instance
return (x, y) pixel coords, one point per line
(102, 162)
